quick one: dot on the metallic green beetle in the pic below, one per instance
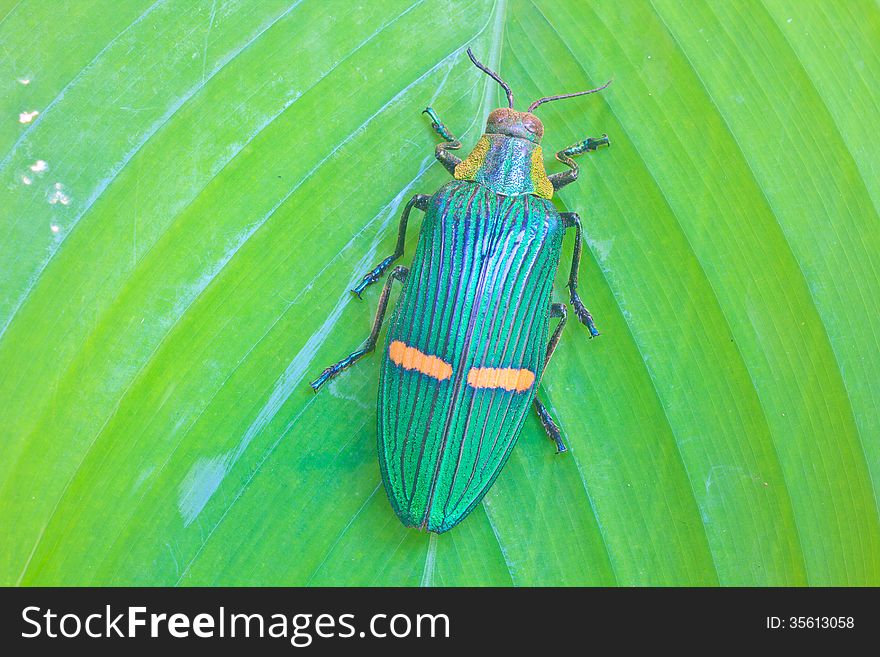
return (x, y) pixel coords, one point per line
(468, 340)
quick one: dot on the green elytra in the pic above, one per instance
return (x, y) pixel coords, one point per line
(468, 340)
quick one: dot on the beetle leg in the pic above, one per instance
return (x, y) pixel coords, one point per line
(397, 274)
(556, 310)
(561, 179)
(441, 151)
(570, 219)
(421, 202)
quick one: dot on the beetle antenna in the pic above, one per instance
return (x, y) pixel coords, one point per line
(547, 99)
(492, 74)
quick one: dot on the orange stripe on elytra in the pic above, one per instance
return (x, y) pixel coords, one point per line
(410, 358)
(501, 377)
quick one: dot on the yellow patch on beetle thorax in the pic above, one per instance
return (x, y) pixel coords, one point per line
(468, 167)
(410, 358)
(508, 378)
(540, 182)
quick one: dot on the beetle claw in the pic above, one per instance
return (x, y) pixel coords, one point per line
(365, 282)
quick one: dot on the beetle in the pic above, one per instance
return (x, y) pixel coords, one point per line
(468, 340)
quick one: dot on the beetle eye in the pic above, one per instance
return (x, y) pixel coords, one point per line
(534, 125)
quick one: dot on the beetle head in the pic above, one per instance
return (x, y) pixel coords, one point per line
(509, 122)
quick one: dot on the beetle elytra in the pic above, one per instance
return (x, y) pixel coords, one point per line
(468, 340)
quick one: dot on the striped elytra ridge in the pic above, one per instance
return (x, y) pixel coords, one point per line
(465, 349)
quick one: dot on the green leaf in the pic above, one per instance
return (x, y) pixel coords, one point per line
(204, 181)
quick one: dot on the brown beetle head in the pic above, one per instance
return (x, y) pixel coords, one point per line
(509, 122)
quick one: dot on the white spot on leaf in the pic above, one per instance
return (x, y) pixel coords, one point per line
(39, 166)
(58, 195)
(27, 117)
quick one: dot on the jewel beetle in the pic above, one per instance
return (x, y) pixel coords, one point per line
(470, 336)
